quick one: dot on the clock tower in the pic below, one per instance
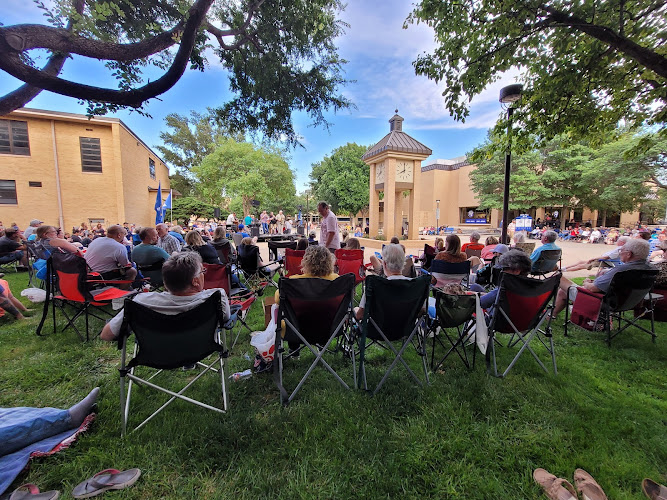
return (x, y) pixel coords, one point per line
(395, 164)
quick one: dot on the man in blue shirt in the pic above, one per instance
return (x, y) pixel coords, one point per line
(548, 243)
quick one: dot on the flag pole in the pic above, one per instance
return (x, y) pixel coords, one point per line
(171, 204)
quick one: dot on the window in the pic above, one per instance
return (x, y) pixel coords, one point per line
(91, 154)
(8, 193)
(151, 167)
(14, 137)
(34, 184)
(474, 215)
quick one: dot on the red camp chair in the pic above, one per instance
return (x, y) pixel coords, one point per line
(522, 309)
(293, 260)
(70, 284)
(219, 276)
(351, 261)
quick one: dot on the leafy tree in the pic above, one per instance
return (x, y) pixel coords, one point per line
(585, 65)
(239, 169)
(183, 208)
(190, 139)
(280, 55)
(342, 179)
(184, 185)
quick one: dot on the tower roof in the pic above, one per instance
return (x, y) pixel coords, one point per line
(397, 140)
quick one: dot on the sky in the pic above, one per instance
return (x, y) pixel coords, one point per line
(379, 54)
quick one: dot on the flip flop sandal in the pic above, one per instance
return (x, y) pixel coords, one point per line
(555, 488)
(587, 486)
(108, 479)
(654, 490)
(32, 491)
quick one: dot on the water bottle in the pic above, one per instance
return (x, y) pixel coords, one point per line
(241, 375)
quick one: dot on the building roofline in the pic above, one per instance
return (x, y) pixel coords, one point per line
(44, 113)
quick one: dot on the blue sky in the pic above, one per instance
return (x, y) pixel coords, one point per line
(380, 55)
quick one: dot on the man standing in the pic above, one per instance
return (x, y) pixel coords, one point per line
(280, 221)
(183, 275)
(328, 227)
(34, 224)
(264, 219)
(166, 241)
(108, 256)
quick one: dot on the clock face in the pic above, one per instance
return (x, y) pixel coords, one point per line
(403, 171)
(379, 173)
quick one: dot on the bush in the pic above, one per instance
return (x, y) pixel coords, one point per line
(380, 237)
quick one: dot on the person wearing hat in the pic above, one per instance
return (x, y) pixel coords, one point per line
(34, 224)
(513, 261)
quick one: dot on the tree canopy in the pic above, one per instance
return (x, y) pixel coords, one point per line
(585, 65)
(342, 179)
(184, 207)
(615, 177)
(279, 55)
(242, 170)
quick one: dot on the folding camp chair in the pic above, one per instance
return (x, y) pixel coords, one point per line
(351, 261)
(453, 313)
(547, 262)
(9, 262)
(522, 307)
(473, 252)
(154, 274)
(315, 312)
(257, 277)
(393, 313)
(168, 342)
(77, 290)
(293, 260)
(240, 300)
(277, 249)
(429, 254)
(236, 238)
(224, 251)
(526, 246)
(448, 272)
(627, 290)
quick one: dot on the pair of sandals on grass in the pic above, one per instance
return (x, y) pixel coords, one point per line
(557, 488)
(108, 479)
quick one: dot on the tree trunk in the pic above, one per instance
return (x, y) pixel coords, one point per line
(604, 218)
(565, 215)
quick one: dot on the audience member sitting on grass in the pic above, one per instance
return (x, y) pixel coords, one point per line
(9, 303)
(513, 261)
(48, 242)
(246, 248)
(177, 232)
(195, 243)
(353, 244)
(147, 253)
(183, 276)
(166, 241)
(633, 255)
(440, 244)
(612, 254)
(487, 251)
(452, 250)
(474, 243)
(242, 232)
(219, 241)
(13, 248)
(108, 256)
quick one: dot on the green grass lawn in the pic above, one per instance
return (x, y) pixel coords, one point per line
(467, 435)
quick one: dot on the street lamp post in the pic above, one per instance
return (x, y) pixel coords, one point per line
(508, 95)
(437, 217)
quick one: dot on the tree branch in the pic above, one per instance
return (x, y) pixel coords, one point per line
(12, 64)
(648, 58)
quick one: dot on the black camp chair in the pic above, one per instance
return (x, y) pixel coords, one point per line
(277, 249)
(169, 342)
(628, 289)
(454, 319)
(429, 254)
(522, 307)
(257, 276)
(315, 311)
(449, 272)
(393, 313)
(547, 262)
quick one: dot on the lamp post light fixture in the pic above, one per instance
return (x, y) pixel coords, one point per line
(437, 217)
(508, 96)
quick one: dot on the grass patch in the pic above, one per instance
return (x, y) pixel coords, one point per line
(467, 435)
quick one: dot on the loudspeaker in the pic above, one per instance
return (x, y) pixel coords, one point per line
(254, 230)
(216, 212)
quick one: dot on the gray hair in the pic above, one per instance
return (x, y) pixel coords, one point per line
(550, 236)
(516, 260)
(393, 256)
(475, 236)
(519, 237)
(180, 269)
(639, 248)
(622, 239)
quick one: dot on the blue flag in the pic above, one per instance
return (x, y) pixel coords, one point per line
(166, 206)
(159, 216)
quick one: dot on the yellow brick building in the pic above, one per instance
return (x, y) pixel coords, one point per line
(65, 168)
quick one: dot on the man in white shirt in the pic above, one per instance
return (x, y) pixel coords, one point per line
(183, 276)
(108, 256)
(328, 227)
